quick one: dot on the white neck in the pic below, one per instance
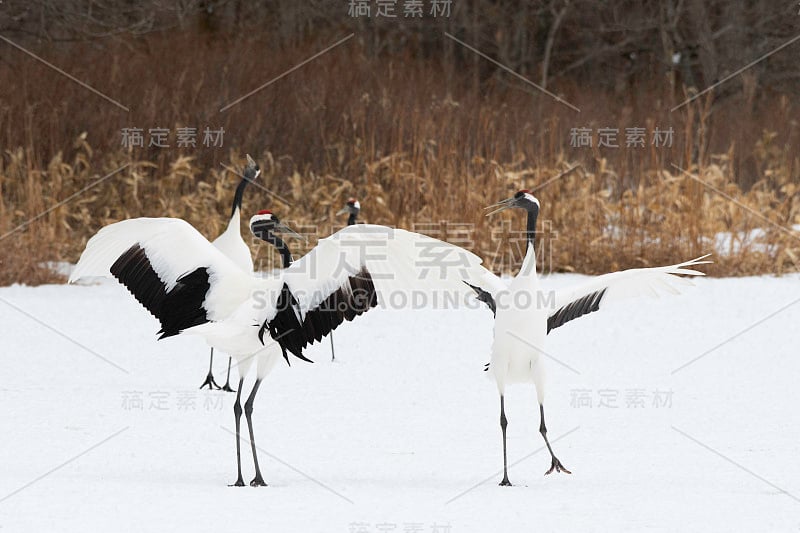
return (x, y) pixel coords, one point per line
(235, 221)
(528, 268)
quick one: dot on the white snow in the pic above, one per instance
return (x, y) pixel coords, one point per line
(727, 244)
(723, 243)
(403, 429)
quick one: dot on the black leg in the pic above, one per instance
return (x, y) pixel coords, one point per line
(258, 481)
(210, 378)
(555, 464)
(237, 413)
(503, 425)
(333, 354)
(227, 386)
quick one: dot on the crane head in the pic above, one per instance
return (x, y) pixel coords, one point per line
(351, 207)
(251, 170)
(522, 199)
(264, 223)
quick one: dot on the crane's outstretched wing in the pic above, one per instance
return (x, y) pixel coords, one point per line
(170, 268)
(359, 267)
(486, 286)
(485, 297)
(584, 298)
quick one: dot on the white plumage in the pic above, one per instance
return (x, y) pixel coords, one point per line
(231, 244)
(524, 307)
(525, 313)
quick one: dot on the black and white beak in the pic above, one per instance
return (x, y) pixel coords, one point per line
(283, 228)
(523, 199)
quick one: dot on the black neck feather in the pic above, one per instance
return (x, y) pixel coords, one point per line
(352, 219)
(531, 227)
(237, 198)
(283, 248)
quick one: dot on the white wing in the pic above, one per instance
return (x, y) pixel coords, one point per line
(575, 301)
(142, 248)
(349, 272)
(403, 265)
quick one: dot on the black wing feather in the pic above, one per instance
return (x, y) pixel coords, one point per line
(485, 297)
(177, 309)
(576, 308)
(355, 297)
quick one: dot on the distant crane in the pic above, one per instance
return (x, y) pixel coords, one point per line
(522, 322)
(352, 207)
(231, 244)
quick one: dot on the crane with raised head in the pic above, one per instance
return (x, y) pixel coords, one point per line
(231, 244)
(523, 319)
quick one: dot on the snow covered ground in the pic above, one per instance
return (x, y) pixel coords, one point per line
(103, 428)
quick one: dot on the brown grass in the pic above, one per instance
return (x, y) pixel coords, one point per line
(414, 138)
(588, 225)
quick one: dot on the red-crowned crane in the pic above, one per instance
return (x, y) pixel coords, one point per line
(352, 207)
(522, 322)
(193, 288)
(231, 244)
